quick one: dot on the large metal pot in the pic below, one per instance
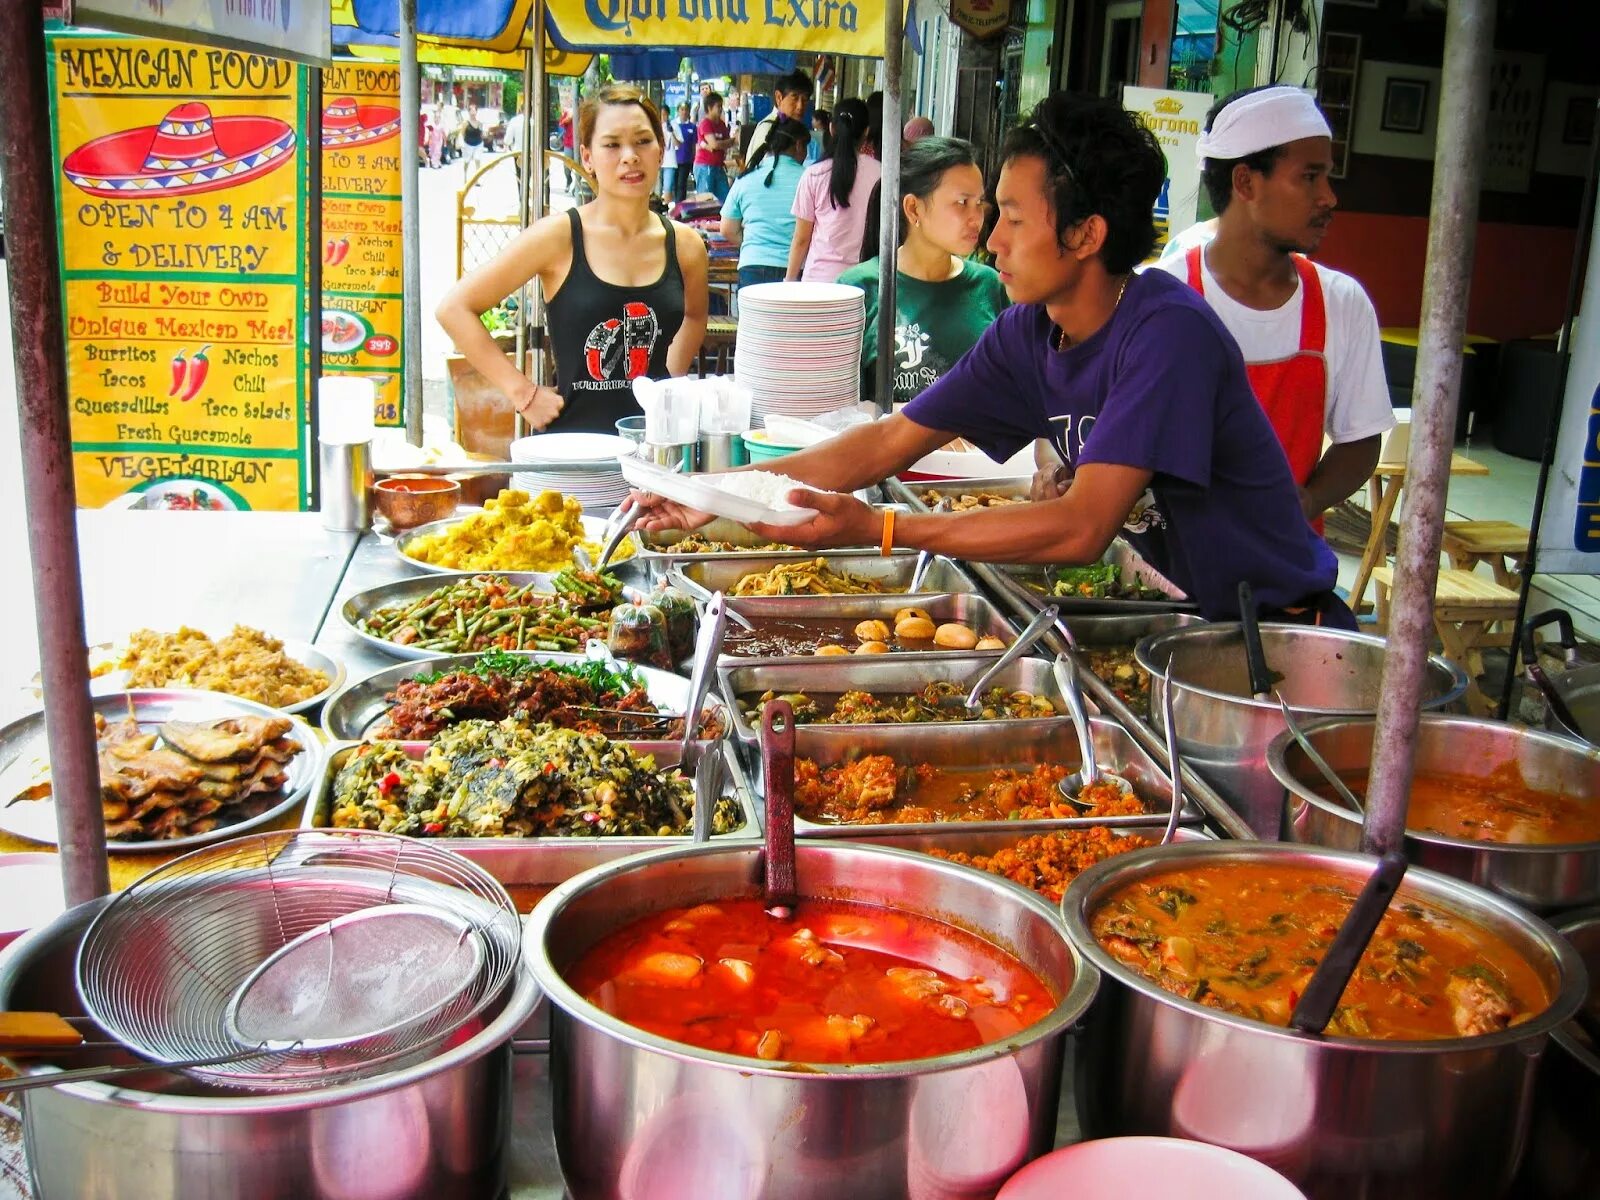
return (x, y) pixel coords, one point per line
(638, 1117)
(1537, 876)
(1563, 1154)
(1224, 732)
(1339, 1116)
(437, 1128)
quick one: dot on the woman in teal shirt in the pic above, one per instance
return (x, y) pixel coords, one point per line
(757, 216)
(943, 300)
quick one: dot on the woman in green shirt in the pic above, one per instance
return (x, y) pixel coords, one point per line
(943, 300)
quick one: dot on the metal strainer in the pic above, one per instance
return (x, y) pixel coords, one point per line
(299, 958)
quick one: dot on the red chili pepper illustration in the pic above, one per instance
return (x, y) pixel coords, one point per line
(200, 367)
(327, 251)
(179, 368)
(341, 251)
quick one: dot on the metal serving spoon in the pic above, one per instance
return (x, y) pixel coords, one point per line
(1089, 774)
(1037, 628)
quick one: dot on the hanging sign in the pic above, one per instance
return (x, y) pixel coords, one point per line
(179, 187)
(1569, 530)
(295, 29)
(1177, 119)
(981, 19)
(804, 26)
(361, 317)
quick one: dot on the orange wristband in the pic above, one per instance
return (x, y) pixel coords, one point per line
(886, 547)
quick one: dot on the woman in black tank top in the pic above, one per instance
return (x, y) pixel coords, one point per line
(625, 288)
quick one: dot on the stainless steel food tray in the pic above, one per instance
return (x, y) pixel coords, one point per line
(720, 573)
(1003, 744)
(977, 612)
(1015, 487)
(594, 530)
(404, 591)
(25, 757)
(890, 674)
(1124, 629)
(547, 861)
(658, 543)
(357, 708)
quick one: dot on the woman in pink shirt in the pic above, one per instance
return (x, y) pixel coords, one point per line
(830, 205)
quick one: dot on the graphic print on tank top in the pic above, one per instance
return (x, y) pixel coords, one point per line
(617, 351)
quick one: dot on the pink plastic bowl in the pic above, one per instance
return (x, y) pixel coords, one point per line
(1147, 1168)
(30, 893)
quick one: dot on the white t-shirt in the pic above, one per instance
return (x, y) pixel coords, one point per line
(1358, 394)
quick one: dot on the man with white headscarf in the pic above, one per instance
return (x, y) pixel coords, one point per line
(1309, 334)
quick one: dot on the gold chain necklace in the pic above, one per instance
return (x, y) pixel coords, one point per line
(1062, 341)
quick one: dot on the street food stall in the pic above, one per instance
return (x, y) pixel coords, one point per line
(663, 859)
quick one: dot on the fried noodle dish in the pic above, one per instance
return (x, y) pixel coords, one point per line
(246, 663)
(504, 779)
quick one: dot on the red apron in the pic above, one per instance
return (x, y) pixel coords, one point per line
(1293, 391)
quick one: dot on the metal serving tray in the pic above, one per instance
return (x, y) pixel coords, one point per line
(887, 674)
(1015, 487)
(721, 572)
(973, 610)
(540, 862)
(658, 543)
(356, 709)
(999, 745)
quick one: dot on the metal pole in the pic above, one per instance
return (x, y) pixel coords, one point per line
(410, 225)
(39, 352)
(1447, 279)
(1552, 433)
(314, 277)
(889, 201)
(526, 183)
(538, 176)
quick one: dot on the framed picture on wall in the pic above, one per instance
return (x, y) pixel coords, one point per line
(1577, 125)
(1405, 105)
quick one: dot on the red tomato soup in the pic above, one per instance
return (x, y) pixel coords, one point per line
(837, 983)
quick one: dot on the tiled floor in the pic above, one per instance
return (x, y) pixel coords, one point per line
(1507, 494)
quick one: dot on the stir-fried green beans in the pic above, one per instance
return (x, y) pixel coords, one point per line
(484, 612)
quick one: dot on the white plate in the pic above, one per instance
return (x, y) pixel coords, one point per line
(568, 448)
(697, 493)
(25, 756)
(115, 682)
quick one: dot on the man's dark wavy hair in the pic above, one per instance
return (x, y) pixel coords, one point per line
(1099, 159)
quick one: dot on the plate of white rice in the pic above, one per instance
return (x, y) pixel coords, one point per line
(759, 497)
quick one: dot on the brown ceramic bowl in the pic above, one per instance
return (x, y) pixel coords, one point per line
(407, 501)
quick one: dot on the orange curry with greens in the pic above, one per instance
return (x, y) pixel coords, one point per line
(1246, 937)
(836, 983)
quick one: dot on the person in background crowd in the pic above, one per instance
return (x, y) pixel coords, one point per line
(711, 150)
(625, 288)
(943, 301)
(471, 138)
(671, 144)
(700, 101)
(436, 132)
(916, 128)
(872, 143)
(757, 216)
(830, 205)
(687, 136)
(516, 136)
(790, 95)
(1309, 334)
(821, 136)
(1131, 378)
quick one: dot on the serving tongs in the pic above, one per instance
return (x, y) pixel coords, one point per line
(1026, 640)
(707, 644)
(630, 513)
(677, 579)
(1264, 686)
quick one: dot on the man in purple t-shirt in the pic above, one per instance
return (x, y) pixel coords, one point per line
(1131, 378)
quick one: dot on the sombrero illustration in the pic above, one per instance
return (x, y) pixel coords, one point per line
(189, 151)
(346, 123)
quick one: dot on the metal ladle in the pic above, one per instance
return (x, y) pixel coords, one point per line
(1026, 640)
(1073, 785)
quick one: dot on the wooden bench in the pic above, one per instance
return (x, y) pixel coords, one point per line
(1467, 607)
(1501, 544)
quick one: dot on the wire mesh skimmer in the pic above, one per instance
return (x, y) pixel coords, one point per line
(299, 958)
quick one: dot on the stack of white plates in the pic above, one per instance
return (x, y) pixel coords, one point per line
(799, 347)
(582, 465)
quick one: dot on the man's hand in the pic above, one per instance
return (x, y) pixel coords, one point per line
(661, 513)
(538, 405)
(1049, 482)
(841, 520)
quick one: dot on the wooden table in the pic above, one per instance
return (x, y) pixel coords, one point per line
(1383, 490)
